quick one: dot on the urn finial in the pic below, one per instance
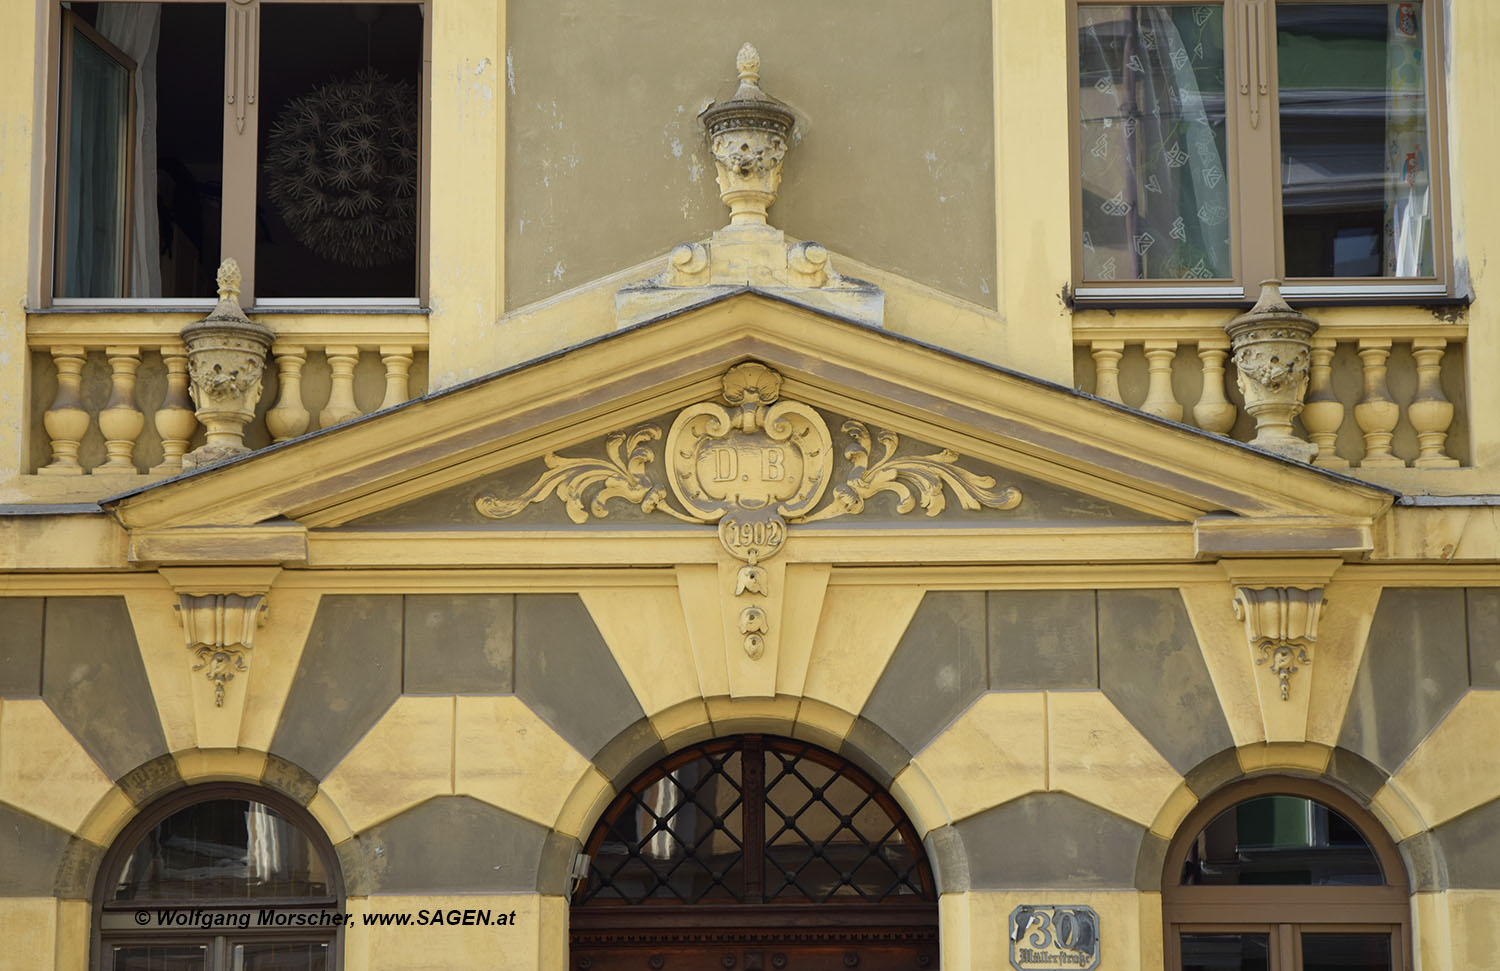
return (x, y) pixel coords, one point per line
(228, 279)
(1272, 343)
(226, 354)
(749, 135)
(748, 63)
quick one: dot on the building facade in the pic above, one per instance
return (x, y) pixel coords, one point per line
(521, 484)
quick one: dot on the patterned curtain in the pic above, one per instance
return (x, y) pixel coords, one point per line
(1151, 96)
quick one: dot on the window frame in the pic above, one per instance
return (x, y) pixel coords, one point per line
(1285, 911)
(1252, 169)
(221, 940)
(241, 162)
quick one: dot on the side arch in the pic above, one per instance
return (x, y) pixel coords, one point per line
(226, 846)
(1369, 789)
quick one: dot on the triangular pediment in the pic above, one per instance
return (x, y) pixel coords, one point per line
(902, 425)
(892, 477)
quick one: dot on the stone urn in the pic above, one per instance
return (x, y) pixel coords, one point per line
(748, 135)
(226, 357)
(1272, 344)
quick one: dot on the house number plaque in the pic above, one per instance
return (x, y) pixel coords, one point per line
(1054, 936)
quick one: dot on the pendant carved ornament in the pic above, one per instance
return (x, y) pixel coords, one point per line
(1281, 624)
(220, 631)
(753, 464)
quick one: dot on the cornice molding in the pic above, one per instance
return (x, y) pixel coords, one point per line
(995, 416)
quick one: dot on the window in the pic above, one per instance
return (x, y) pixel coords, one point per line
(1219, 144)
(1285, 874)
(187, 885)
(284, 133)
(754, 848)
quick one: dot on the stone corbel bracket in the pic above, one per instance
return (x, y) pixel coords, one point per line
(1281, 624)
(221, 609)
(220, 631)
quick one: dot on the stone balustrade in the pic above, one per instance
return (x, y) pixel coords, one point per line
(108, 409)
(1384, 400)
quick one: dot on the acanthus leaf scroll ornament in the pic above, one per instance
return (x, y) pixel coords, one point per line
(753, 464)
(586, 485)
(1281, 623)
(220, 631)
(913, 480)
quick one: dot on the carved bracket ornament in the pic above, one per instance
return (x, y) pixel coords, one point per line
(753, 464)
(1281, 624)
(220, 631)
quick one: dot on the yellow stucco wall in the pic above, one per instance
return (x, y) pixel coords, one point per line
(495, 748)
(668, 636)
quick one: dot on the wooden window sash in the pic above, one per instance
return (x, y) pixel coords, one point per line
(1252, 166)
(240, 135)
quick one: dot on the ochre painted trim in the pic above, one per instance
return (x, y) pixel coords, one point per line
(898, 545)
(497, 580)
(1295, 757)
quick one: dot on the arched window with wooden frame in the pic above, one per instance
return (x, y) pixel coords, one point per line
(1281, 874)
(754, 851)
(219, 877)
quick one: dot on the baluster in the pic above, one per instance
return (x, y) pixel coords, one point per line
(1214, 412)
(66, 421)
(120, 420)
(1107, 356)
(290, 417)
(1377, 413)
(1159, 397)
(397, 369)
(1430, 411)
(341, 407)
(1324, 412)
(174, 420)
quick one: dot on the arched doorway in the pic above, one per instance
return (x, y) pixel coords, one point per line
(1284, 874)
(754, 852)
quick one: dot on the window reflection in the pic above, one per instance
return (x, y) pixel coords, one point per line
(1225, 952)
(1346, 952)
(1355, 187)
(157, 957)
(279, 956)
(1281, 840)
(225, 849)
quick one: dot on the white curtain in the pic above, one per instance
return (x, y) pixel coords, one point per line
(1408, 187)
(135, 28)
(263, 848)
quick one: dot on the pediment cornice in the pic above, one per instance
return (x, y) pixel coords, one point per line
(1001, 419)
